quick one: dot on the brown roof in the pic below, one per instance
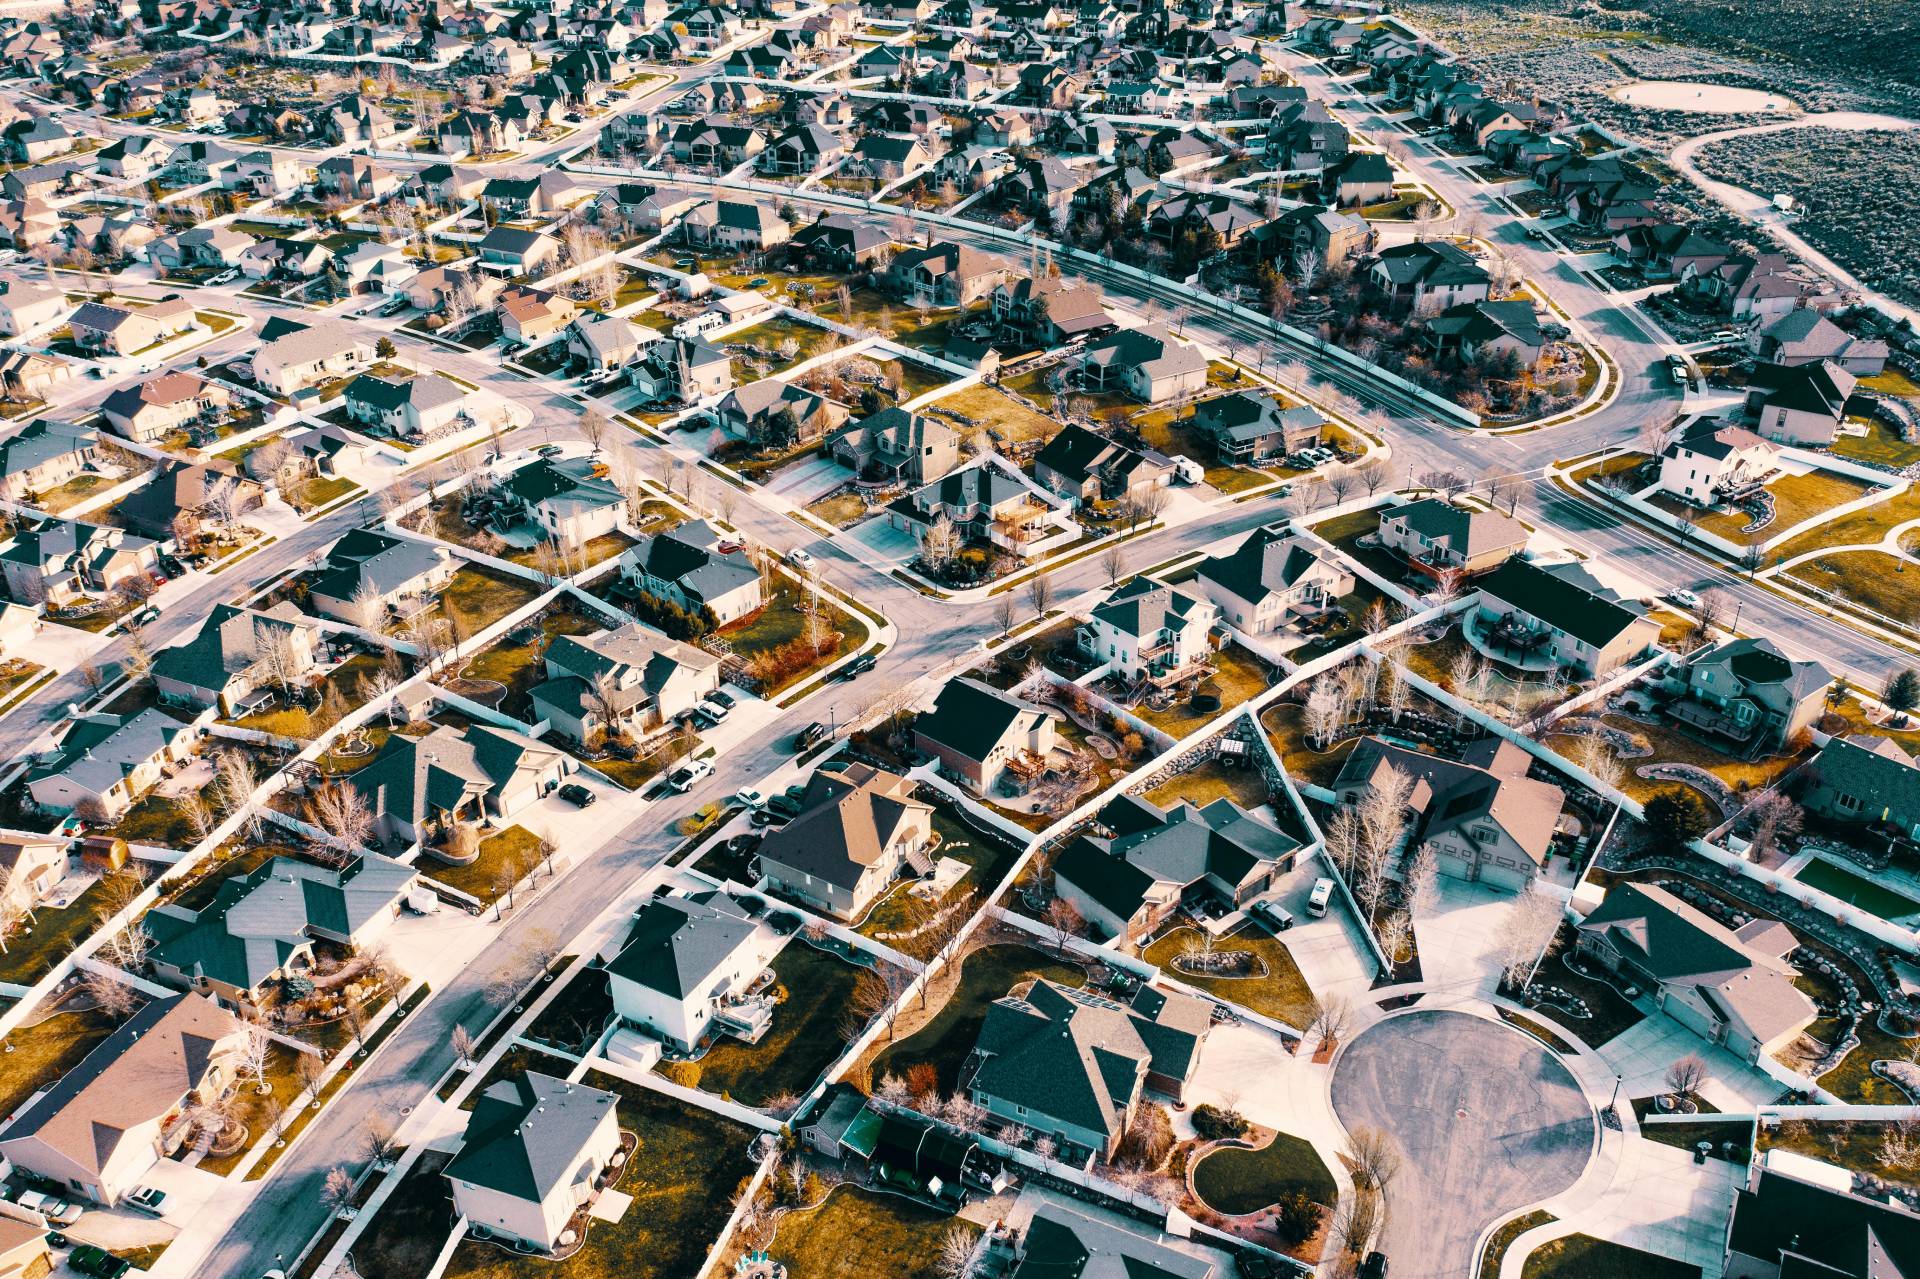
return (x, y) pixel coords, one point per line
(171, 388)
(848, 819)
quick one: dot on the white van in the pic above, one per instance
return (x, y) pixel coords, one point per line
(705, 322)
(1322, 894)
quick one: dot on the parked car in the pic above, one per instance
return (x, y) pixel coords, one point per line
(684, 778)
(801, 560)
(1322, 894)
(720, 697)
(810, 736)
(1684, 598)
(394, 307)
(859, 666)
(549, 450)
(145, 617)
(98, 1262)
(54, 1209)
(767, 817)
(1275, 916)
(784, 805)
(748, 797)
(577, 795)
(147, 1199)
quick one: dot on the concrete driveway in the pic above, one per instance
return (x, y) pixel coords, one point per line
(802, 482)
(1487, 1121)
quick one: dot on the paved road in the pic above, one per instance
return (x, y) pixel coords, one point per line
(1487, 1121)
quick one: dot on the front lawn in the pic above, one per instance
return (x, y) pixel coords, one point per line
(988, 859)
(682, 1179)
(575, 1017)
(986, 974)
(1584, 1257)
(260, 1111)
(1795, 498)
(1282, 992)
(157, 821)
(1210, 781)
(1237, 1181)
(858, 1232)
(758, 638)
(521, 666)
(803, 1040)
(504, 858)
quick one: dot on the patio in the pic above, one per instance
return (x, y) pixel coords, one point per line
(1505, 641)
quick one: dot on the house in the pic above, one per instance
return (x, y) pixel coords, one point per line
(413, 408)
(104, 1124)
(976, 733)
(285, 260)
(1670, 250)
(980, 501)
(1144, 630)
(1357, 179)
(1732, 987)
(943, 274)
(1481, 330)
(1795, 1216)
(1864, 781)
(858, 827)
(135, 157)
(325, 450)
(1436, 535)
(1049, 311)
(1149, 363)
(26, 305)
(692, 968)
(565, 499)
(29, 866)
(525, 252)
(697, 568)
(734, 225)
(116, 330)
(262, 926)
(897, 444)
(292, 356)
(1146, 864)
(623, 681)
(1060, 1241)
(842, 241)
(1709, 462)
(23, 1250)
(471, 133)
(1484, 818)
(1085, 467)
(716, 144)
(236, 653)
(1253, 428)
(374, 267)
(528, 315)
(367, 574)
(1805, 335)
(105, 763)
(882, 156)
(1273, 578)
(62, 560)
(1430, 276)
(604, 342)
(44, 454)
(211, 492)
(681, 371)
(1800, 404)
(775, 412)
(1561, 614)
(537, 1152)
(1748, 691)
(1074, 1065)
(149, 411)
(420, 787)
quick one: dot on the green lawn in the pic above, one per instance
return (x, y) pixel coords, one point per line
(1584, 1257)
(857, 1232)
(1210, 781)
(509, 852)
(312, 494)
(74, 492)
(1853, 1079)
(808, 339)
(683, 1179)
(521, 666)
(44, 940)
(779, 623)
(1502, 1239)
(988, 860)
(1285, 725)
(1863, 527)
(1282, 993)
(1237, 1181)
(43, 1053)
(1857, 890)
(803, 1040)
(1874, 580)
(1011, 420)
(986, 974)
(1881, 444)
(1795, 498)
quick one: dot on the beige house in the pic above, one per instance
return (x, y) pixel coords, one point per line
(689, 969)
(1533, 615)
(115, 330)
(856, 829)
(538, 1151)
(150, 410)
(106, 763)
(1271, 580)
(29, 866)
(1437, 535)
(103, 1126)
(978, 734)
(302, 355)
(1732, 987)
(1148, 363)
(26, 305)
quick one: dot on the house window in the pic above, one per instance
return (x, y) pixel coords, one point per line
(1847, 803)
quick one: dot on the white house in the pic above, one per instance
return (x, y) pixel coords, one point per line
(689, 969)
(537, 1153)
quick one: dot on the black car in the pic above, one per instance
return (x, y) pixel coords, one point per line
(810, 736)
(859, 666)
(577, 795)
(722, 698)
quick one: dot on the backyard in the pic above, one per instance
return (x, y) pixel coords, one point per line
(481, 596)
(988, 859)
(948, 1037)
(516, 661)
(1005, 416)
(858, 1232)
(1212, 780)
(1874, 580)
(40, 1053)
(759, 637)
(1279, 991)
(1285, 725)
(1880, 445)
(504, 857)
(1795, 498)
(803, 1040)
(1238, 676)
(45, 939)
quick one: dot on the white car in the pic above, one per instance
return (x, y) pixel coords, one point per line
(801, 560)
(1685, 599)
(57, 1211)
(748, 797)
(714, 711)
(685, 777)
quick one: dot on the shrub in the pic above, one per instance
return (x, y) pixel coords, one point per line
(922, 1080)
(684, 1073)
(1215, 1123)
(1296, 1217)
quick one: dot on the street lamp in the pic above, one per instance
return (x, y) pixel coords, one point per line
(1615, 1100)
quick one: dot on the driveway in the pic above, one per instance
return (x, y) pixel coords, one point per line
(803, 482)
(1487, 1121)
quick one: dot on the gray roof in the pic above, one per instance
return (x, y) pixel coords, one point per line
(411, 777)
(690, 557)
(375, 560)
(97, 752)
(41, 441)
(527, 1133)
(677, 944)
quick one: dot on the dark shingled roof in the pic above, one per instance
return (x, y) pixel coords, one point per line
(526, 1134)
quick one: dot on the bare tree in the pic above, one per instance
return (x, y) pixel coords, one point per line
(277, 653)
(378, 1140)
(1343, 839)
(463, 1045)
(1065, 922)
(876, 996)
(1374, 1156)
(109, 994)
(593, 426)
(1775, 817)
(1340, 481)
(1040, 593)
(955, 1259)
(1685, 1076)
(1530, 923)
(1329, 1020)
(337, 1192)
(1382, 809)
(1114, 561)
(1325, 711)
(341, 810)
(1423, 882)
(237, 781)
(1003, 611)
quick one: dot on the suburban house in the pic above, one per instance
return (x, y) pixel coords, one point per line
(24, 1250)
(897, 444)
(1049, 310)
(1148, 363)
(1147, 864)
(212, 492)
(601, 342)
(1481, 330)
(681, 371)
(1431, 275)
(44, 454)
(627, 680)
(1864, 781)
(519, 250)
(29, 865)
(1751, 693)
(1799, 403)
(369, 572)
(857, 829)
(977, 733)
(1060, 1241)
(29, 375)
(565, 499)
(734, 224)
(1146, 631)
(411, 408)
(421, 786)
(1252, 428)
(1074, 1065)
(843, 241)
(777, 411)
(983, 502)
(151, 410)
(1562, 614)
(1273, 578)
(1485, 819)
(1357, 179)
(943, 274)
(1435, 535)
(697, 567)
(106, 763)
(1709, 461)
(292, 355)
(1797, 1216)
(62, 560)
(1732, 987)
(26, 305)
(101, 1128)
(529, 315)
(236, 654)
(327, 450)
(537, 1153)
(100, 328)
(1805, 336)
(693, 967)
(262, 926)
(1083, 466)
